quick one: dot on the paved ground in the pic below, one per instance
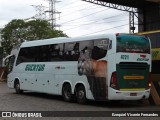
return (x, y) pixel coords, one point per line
(29, 101)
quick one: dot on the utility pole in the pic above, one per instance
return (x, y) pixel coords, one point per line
(52, 13)
(131, 22)
(40, 14)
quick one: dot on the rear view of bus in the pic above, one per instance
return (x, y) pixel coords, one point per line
(130, 80)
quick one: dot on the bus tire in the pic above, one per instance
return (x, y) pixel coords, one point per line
(81, 94)
(17, 88)
(67, 93)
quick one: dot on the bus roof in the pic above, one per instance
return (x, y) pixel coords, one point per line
(63, 39)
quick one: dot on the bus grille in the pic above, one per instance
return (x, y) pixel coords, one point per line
(132, 65)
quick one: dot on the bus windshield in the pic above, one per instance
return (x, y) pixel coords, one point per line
(133, 44)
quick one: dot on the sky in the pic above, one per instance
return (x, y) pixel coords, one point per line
(76, 18)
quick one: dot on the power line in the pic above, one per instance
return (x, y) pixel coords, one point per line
(77, 6)
(87, 7)
(67, 7)
(71, 3)
(99, 22)
(67, 4)
(74, 12)
(105, 29)
(93, 20)
(94, 23)
(84, 16)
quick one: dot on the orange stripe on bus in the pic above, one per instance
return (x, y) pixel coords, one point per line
(133, 77)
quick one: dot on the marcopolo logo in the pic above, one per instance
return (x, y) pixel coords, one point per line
(142, 58)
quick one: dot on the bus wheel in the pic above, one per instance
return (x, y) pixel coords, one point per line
(67, 93)
(81, 94)
(17, 88)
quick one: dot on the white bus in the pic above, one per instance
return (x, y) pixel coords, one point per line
(99, 67)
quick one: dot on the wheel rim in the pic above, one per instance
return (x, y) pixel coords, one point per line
(67, 94)
(81, 94)
(17, 87)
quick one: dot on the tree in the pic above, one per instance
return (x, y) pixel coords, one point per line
(17, 31)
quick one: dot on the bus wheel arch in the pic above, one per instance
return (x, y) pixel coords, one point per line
(17, 86)
(67, 92)
(80, 92)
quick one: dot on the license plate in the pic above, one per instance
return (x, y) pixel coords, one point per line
(133, 94)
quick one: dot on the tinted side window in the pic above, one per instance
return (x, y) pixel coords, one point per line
(55, 52)
(100, 48)
(43, 53)
(31, 54)
(97, 49)
(71, 51)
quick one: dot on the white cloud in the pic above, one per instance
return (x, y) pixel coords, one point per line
(17, 9)
(77, 17)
